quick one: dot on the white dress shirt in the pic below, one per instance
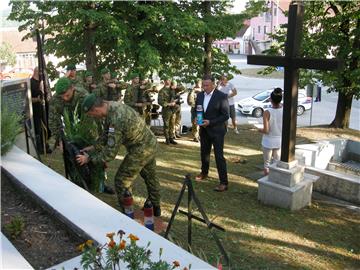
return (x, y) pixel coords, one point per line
(207, 98)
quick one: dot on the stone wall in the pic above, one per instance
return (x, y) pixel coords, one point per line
(338, 185)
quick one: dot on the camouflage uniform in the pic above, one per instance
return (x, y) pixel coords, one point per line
(125, 127)
(177, 121)
(107, 93)
(57, 106)
(77, 82)
(131, 95)
(191, 100)
(146, 98)
(166, 96)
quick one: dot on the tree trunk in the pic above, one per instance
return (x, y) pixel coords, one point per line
(90, 48)
(343, 109)
(208, 41)
(208, 54)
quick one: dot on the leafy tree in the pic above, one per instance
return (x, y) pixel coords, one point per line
(7, 55)
(172, 38)
(331, 28)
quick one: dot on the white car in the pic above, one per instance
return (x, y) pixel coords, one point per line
(256, 105)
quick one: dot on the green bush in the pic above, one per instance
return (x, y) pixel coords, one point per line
(10, 128)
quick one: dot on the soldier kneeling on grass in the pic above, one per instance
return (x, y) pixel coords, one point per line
(124, 126)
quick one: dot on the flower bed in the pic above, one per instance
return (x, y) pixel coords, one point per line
(37, 235)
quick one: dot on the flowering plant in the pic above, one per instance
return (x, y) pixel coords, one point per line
(112, 254)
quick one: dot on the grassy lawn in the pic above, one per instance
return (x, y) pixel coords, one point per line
(322, 236)
(253, 72)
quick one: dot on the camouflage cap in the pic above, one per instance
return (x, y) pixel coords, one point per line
(71, 67)
(88, 74)
(88, 102)
(62, 85)
(104, 71)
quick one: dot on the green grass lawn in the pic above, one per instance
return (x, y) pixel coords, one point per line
(322, 236)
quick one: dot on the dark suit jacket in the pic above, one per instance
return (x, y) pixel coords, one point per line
(217, 112)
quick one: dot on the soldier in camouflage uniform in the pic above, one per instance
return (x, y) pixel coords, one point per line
(166, 99)
(191, 100)
(124, 127)
(67, 97)
(119, 86)
(71, 74)
(106, 89)
(89, 83)
(145, 96)
(132, 93)
(179, 90)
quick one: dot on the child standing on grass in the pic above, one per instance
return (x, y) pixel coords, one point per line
(271, 140)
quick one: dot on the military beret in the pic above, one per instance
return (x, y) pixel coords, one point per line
(88, 102)
(88, 74)
(71, 67)
(104, 71)
(133, 75)
(114, 74)
(62, 85)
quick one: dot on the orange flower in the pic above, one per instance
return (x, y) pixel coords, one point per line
(110, 235)
(111, 244)
(122, 244)
(133, 238)
(89, 243)
(80, 247)
(176, 263)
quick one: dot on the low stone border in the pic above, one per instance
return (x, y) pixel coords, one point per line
(85, 212)
(10, 256)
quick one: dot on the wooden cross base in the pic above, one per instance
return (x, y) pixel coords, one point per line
(160, 225)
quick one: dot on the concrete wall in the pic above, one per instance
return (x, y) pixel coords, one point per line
(338, 185)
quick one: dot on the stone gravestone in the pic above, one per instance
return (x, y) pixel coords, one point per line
(16, 97)
(286, 185)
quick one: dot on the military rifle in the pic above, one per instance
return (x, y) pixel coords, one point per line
(70, 152)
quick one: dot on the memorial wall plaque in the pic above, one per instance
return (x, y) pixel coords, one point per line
(16, 97)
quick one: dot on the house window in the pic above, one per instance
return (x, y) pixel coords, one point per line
(264, 29)
(259, 29)
(268, 16)
(275, 11)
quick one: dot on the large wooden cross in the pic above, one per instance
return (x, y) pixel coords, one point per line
(291, 63)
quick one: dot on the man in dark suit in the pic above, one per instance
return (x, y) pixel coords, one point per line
(213, 129)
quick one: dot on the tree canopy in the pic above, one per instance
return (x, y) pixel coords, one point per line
(167, 37)
(7, 55)
(331, 29)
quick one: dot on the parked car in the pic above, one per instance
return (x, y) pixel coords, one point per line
(17, 73)
(256, 105)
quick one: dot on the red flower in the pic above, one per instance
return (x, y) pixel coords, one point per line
(111, 244)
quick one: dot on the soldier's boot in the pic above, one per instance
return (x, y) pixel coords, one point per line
(172, 141)
(177, 136)
(108, 190)
(157, 211)
(167, 141)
